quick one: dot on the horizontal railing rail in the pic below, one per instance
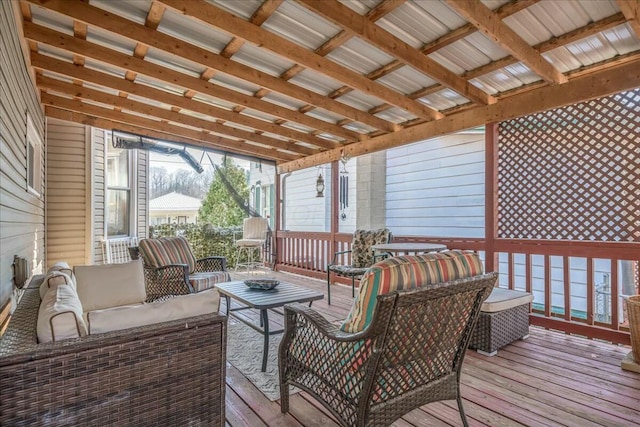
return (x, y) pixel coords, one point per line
(577, 285)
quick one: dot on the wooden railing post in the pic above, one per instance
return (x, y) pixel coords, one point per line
(491, 195)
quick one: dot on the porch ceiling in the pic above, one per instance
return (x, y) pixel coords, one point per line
(302, 82)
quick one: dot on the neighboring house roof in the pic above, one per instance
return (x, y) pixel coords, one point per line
(174, 202)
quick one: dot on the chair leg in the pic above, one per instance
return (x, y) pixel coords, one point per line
(461, 409)
(328, 287)
(353, 286)
(284, 398)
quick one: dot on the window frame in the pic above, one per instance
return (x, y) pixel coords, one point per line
(33, 147)
(130, 189)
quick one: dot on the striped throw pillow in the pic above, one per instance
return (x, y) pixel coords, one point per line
(407, 272)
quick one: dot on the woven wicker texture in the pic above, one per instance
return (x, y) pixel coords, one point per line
(633, 311)
(409, 355)
(160, 375)
(495, 330)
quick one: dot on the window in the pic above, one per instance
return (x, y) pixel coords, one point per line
(118, 177)
(34, 158)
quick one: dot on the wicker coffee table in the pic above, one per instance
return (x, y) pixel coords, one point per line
(264, 301)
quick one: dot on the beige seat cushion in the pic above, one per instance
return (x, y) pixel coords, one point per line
(207, 280)
(179, 307)
(60, 315)
(110, 285)
(504, 299)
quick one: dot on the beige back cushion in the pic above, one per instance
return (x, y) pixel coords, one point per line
(180, 307)
(60, 315)
(110, 285)
(63, 267)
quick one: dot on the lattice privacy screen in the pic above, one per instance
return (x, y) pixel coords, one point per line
(572, 173)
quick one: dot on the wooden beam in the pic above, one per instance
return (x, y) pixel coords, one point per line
(492, 26)
(98, 122)
(258, 18)
(379, 37)
(116, 24)
(594, 85)
(127, 62)
(129, 119)
(631, 11)
(219, 18)
(93, 95)
(58, 66)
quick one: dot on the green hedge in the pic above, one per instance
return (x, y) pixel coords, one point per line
(205, 239)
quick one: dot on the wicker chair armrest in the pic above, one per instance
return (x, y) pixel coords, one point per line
(212, 263)
(293, 313)
(335, 256)
(172, 279)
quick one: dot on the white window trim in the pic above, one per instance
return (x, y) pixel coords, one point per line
(133, 189)
(33, 139)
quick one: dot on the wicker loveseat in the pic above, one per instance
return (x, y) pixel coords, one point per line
(161, 374)
(401, 346)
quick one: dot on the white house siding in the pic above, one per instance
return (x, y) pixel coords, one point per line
(141, 178)
(21, 212)
(68, 193)
(436, 187)
(98, 151)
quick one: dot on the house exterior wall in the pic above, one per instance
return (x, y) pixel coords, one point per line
(22, 213)
(69, 160)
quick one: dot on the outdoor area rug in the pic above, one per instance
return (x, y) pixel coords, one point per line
(244, 351)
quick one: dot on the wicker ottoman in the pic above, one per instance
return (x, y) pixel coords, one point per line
(504, 319)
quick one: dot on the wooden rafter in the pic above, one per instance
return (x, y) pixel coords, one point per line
(596, 84)
(490, 24)
(631, 11)
(127, 62)
(122, 117)
(93, 95)
(207, 12)
(58, 66)
(101, 123)
(392, 45)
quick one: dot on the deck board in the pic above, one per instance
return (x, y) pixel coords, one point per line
(551, 379)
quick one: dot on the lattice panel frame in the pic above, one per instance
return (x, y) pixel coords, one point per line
(572, 173)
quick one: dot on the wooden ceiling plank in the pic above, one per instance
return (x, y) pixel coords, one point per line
(631, 11)
(225, 21)
(261, 14)
(490, 24)
(110, 22)
(151, 110)
(93, 110)
(593, 85)
(99, 122)
(37, 33)
(552, 43)
(392, 45)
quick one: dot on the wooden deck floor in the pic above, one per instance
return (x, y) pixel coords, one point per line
(550, 379)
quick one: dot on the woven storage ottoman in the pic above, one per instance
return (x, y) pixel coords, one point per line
(504, 319)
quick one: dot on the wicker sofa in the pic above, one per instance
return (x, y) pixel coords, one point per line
(169, 373)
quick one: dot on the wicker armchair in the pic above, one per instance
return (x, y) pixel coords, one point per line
(170, 268)
(361, 257)
(409, 353)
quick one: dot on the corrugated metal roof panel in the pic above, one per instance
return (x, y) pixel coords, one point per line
(417, 23)
(361, 7)
(298, 127)
(622, 38)
(109, 90)
(54, 52)
(285, 101)
(301, 26)
(395, 115)
(406, 80)
(243, 9)
(448, 64)
(444, 99)
(62, 78)
(193, 31)
(316, 82)
(214, 101)
(148, 81)
(325, 115)
(483, 44)
(359, 100)
(106, 68)
(262, 60)
(52, 20)
(110, 40)
(359, 127)
(360, 56)
(136, 11)
(234, 83)
(175, 63)
(258, 115)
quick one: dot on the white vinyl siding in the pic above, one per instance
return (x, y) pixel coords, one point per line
(68, 191)
(436, 187)
(97, 149)
(21, 212)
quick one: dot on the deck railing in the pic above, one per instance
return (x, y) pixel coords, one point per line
(572, 282)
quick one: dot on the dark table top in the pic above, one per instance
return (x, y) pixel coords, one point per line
(284, 293)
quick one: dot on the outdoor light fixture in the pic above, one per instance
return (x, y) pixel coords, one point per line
(320, 185)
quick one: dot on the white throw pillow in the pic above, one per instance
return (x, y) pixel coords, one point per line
(53, 279)
(63, 267)
(110, 285)
(180, 307)
(60, 315)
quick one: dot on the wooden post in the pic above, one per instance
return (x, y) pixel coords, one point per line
(275, 242)
(491, 195)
